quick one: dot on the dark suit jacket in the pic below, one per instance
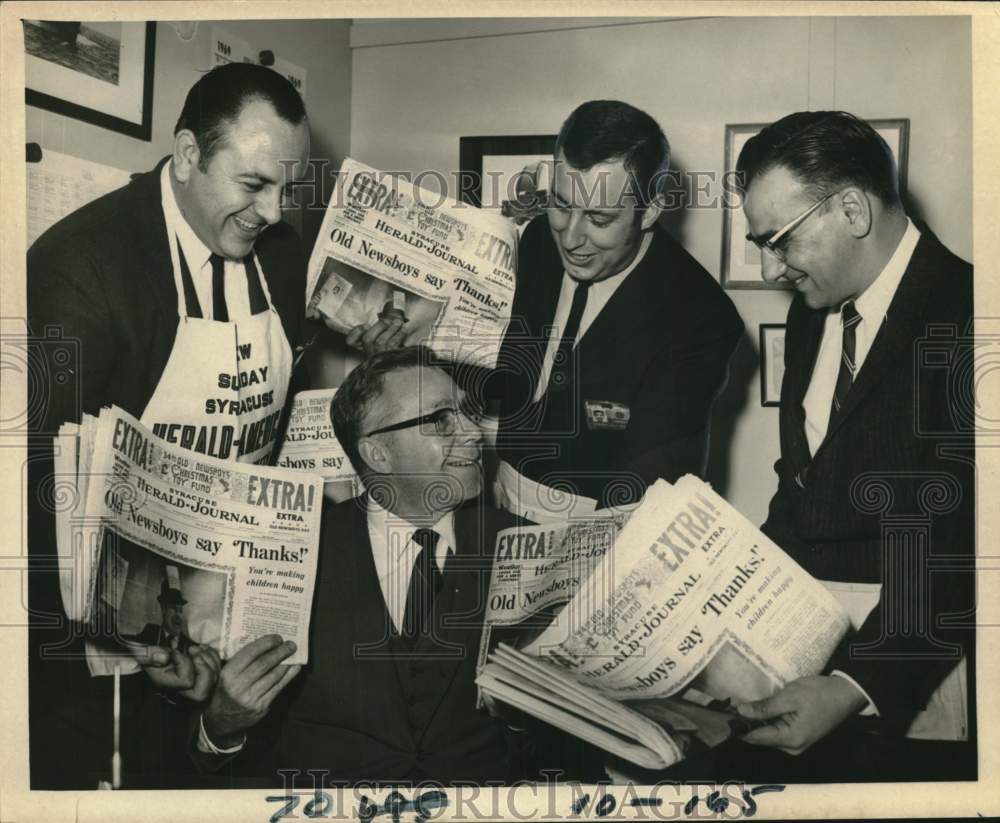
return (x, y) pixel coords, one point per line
(660, 346)
(102, 306)
(356, 709)
(902, 446)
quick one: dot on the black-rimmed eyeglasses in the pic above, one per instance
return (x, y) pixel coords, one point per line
(444, 420)
(776, 243)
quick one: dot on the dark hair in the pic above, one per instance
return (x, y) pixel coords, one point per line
(824, 150)
(603, 130)
(217, 99)
(362, 387)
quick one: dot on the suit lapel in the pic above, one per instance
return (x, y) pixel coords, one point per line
(896, 336)
(801, 359)
(151, 238)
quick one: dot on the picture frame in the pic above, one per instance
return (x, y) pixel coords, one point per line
(741, 268)
(97, 72)
(772, 362)
(496, 161)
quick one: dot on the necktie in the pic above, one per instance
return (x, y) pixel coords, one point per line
(425, 584)
(849, 319)
(219, 310)
(562, 364)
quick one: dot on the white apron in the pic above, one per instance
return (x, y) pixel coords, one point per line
(220, 394)
(520, 495)
(224, 385)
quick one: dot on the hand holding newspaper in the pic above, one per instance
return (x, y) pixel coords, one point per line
(389, 250)
(692, 610)
(169, 547)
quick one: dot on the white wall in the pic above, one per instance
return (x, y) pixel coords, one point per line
(319, 46)
(411, 101)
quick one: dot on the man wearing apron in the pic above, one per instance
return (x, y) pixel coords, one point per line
(179, 296)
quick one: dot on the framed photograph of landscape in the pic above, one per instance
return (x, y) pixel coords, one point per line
(741, 258)
(98, 72)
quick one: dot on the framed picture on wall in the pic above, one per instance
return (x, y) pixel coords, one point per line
(741, 258)
(98, 72)
(489, 167)
(772, 362)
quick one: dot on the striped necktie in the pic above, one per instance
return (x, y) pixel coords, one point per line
(849, 319)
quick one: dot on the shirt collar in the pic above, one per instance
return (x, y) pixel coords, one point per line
(382, 520)
(873, 303)
(196, 253)
(609, 284)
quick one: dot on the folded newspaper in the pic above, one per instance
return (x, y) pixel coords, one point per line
(390, 250)
(310, 444)
(164, 546)
(690, 611)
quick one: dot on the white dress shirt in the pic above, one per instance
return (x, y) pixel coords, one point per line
(872, 305)
(597, 298)
(197, 255)
(395, 554)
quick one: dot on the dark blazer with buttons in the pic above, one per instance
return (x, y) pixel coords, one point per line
(365, 708)
(895, 470)
(660, 346)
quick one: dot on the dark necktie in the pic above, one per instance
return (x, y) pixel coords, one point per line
(849, 319)
(219, 310)
(562, 363)
(425, 584)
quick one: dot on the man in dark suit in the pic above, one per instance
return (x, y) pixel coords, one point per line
(389, 691)
(619, 340)
(169, 632)
(876, 485)
(150, 287)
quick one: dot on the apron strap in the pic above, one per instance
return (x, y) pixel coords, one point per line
(192, 306)
(258, 301)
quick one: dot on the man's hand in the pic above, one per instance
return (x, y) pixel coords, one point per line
(191, 675)
(804, 711)
(380, 336)
(248, 684)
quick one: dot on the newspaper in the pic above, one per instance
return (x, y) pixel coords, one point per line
(168, 547)
(310, 444)
(688, 610)
(393, 251)
(694, 595)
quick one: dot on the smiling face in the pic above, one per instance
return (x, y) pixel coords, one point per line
(430, 473)
(820, 259)
(238, 193)
(594, 220)
(172, 618)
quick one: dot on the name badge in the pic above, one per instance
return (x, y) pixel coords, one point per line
(606, 414)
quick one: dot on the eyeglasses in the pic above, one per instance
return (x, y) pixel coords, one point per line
(444, 420)
(777, 242)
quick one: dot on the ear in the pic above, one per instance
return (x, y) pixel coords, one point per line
(185, 155)
(856, 207)
(376, 457)
(651, 214)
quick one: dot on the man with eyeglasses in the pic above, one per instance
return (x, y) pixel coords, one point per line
(389, 691)
(875, 478)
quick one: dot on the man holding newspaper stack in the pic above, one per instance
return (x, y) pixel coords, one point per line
(876, 488)
(155, 283)
(389, 693)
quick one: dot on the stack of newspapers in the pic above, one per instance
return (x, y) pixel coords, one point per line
(668, 622)
(162, 545)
